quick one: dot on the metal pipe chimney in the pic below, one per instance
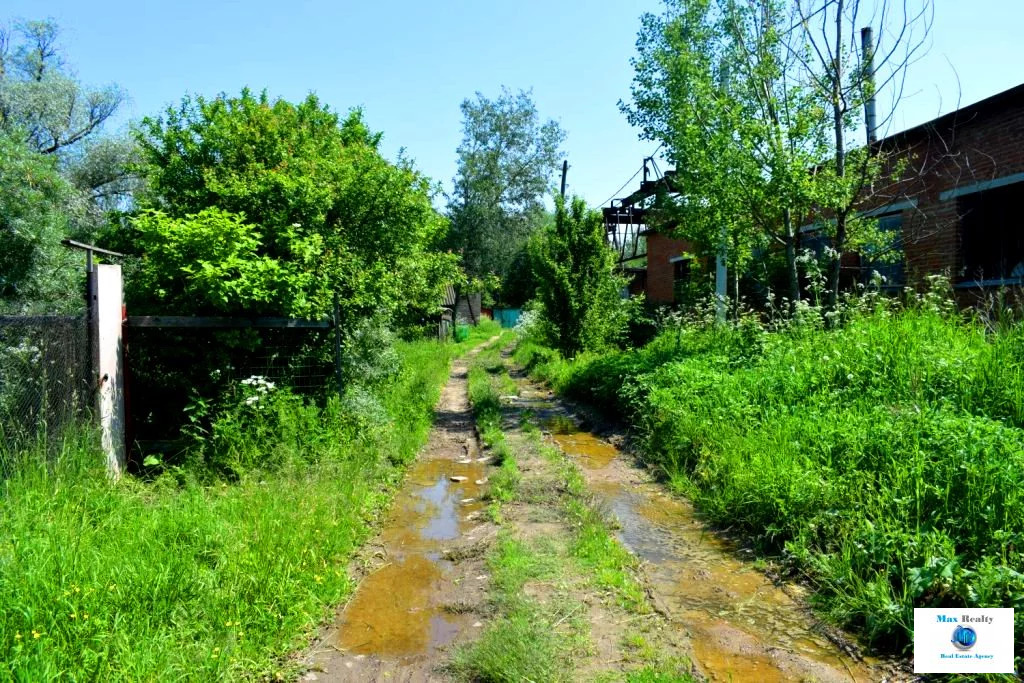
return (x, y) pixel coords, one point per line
(867, 47)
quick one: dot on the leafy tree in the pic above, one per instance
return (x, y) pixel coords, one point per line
(40, 99)
(315, 208)
(841, 81)
(730, 87)
(44, 106)
(580, 291)
(711, 83)
(37, 274)
(506, 161)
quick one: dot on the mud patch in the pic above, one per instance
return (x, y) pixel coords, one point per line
(429, 559)
(742, 626)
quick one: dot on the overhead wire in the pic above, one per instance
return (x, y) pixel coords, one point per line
(638, 171)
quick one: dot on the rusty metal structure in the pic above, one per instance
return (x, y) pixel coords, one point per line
(625, 219)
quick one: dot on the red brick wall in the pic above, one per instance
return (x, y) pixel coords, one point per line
(976, 145)
(660, 271)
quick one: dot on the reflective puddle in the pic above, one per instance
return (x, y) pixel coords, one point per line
(592, 452)
(394, 613)
(742, 627)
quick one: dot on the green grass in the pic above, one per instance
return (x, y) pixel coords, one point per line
(882, 460)
(188, 577)
(522, 645)
(487, 383)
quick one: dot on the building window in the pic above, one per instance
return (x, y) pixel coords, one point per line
(991, 235)
(892, 271)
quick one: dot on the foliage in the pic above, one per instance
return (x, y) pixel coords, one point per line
(219, 580)
(323, 205)
(506, 161)
(710, 83)
(580, 291)
(44, 106)
(213, 262)
(882, 458)
(759, 129)
(40, 99)
(37, 273)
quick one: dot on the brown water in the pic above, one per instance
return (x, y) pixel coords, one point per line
(396, 612)
(742, 627)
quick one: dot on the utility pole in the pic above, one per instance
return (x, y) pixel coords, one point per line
(721, 273)
(565, 169)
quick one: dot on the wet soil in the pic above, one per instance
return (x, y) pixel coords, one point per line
(741, 625)
(424, 579)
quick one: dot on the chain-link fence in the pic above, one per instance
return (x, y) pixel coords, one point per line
(175, 374)
(44, 385)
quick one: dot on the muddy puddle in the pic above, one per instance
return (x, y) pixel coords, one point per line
(395, 612)
(742, 627)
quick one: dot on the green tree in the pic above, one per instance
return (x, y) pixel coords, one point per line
(580, 290)
(505, 166)
(40, 99)
(711, 83)
(308, 194)
(45, 106)
(755, 110)
(37, 274)
(842, 82)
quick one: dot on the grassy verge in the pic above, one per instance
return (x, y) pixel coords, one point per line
(543, 586)
(883, 460)
(487, 383)
(192, 578)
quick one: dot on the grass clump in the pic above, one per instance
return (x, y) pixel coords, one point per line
(882, 459)
(523, 645)
(194, 574)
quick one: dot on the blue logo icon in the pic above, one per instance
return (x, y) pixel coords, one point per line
(964, 637)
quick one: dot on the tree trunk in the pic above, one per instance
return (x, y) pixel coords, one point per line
(839, 243)
(791, 269)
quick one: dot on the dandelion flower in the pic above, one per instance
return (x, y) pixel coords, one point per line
(17, 636)
(36, 634)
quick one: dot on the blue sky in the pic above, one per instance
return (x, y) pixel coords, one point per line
(410, 64)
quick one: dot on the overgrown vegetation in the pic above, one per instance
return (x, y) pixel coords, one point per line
(579, 287)
(487, 382)
(881, 460)
(195, 576)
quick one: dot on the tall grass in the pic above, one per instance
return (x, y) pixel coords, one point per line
(188, 577)
(883, 460)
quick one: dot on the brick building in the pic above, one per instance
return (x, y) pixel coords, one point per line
(955, 208)
(957, 205)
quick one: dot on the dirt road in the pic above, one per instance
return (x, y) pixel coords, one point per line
(425, 582)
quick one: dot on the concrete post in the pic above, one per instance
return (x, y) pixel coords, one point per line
(107, 320)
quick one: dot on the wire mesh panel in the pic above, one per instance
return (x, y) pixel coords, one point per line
(44, 377)
(171, 371)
